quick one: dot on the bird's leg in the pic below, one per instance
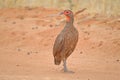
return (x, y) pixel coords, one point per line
(64, 64)
(65, 67)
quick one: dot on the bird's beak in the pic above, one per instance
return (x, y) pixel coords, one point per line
(61, 13)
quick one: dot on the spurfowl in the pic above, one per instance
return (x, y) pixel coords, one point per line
(66, 41)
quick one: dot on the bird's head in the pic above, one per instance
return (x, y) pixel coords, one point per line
(68, 14)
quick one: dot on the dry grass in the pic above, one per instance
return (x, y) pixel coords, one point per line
(108, 7)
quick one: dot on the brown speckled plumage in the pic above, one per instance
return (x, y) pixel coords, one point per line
(66, 41)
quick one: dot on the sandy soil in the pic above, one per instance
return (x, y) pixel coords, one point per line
(27, 37)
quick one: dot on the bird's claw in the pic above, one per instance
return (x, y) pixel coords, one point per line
(69, 71)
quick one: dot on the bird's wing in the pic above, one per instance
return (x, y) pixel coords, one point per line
(58, 45)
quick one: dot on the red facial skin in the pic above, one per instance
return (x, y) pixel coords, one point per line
(67, 13)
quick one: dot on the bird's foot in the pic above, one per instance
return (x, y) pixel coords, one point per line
(69, 71)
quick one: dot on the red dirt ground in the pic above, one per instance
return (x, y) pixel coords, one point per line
(26, 40)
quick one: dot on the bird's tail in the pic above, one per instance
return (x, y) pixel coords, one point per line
(57, 61)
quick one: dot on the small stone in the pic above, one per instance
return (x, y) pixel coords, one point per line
(88, 25)
(21, 17)
(36, 52)
(117, 60)
(28, 8)
(28, 53)
(51, 25)
(23, 38)
(14, 22)
(100, 44)
(81, 52)
(92, 47)
(87, 33)
(36, 27)
(17, 65)
(86, 38)
(5, 20)
(19, 49)
(33, 28)
(118, 28)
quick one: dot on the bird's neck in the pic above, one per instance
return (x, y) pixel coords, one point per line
(69, 20)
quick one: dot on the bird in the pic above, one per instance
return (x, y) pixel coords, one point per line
(65, 41)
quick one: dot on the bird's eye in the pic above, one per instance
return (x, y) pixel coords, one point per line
(67, 12)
